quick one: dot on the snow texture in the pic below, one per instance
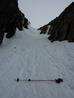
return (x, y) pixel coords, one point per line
(31, 55)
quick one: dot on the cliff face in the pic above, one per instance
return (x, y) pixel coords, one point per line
(62, 27)
(11, 18)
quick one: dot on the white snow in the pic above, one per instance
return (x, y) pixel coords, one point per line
(31, 55)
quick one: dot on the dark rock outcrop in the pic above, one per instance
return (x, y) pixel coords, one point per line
(11, 18)
(62, 27)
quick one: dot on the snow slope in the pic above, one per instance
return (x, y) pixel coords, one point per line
(30, 55)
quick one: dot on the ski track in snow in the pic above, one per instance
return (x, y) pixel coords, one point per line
(30, 55)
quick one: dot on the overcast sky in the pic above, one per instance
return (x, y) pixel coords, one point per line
(40, 12)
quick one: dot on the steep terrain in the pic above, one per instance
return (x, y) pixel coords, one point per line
(30, 55)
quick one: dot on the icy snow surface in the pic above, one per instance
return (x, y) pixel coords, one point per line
(31, 55)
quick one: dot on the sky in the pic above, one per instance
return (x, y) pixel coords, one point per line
(40, 12)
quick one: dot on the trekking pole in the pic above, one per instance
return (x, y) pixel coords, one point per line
(58, 81)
